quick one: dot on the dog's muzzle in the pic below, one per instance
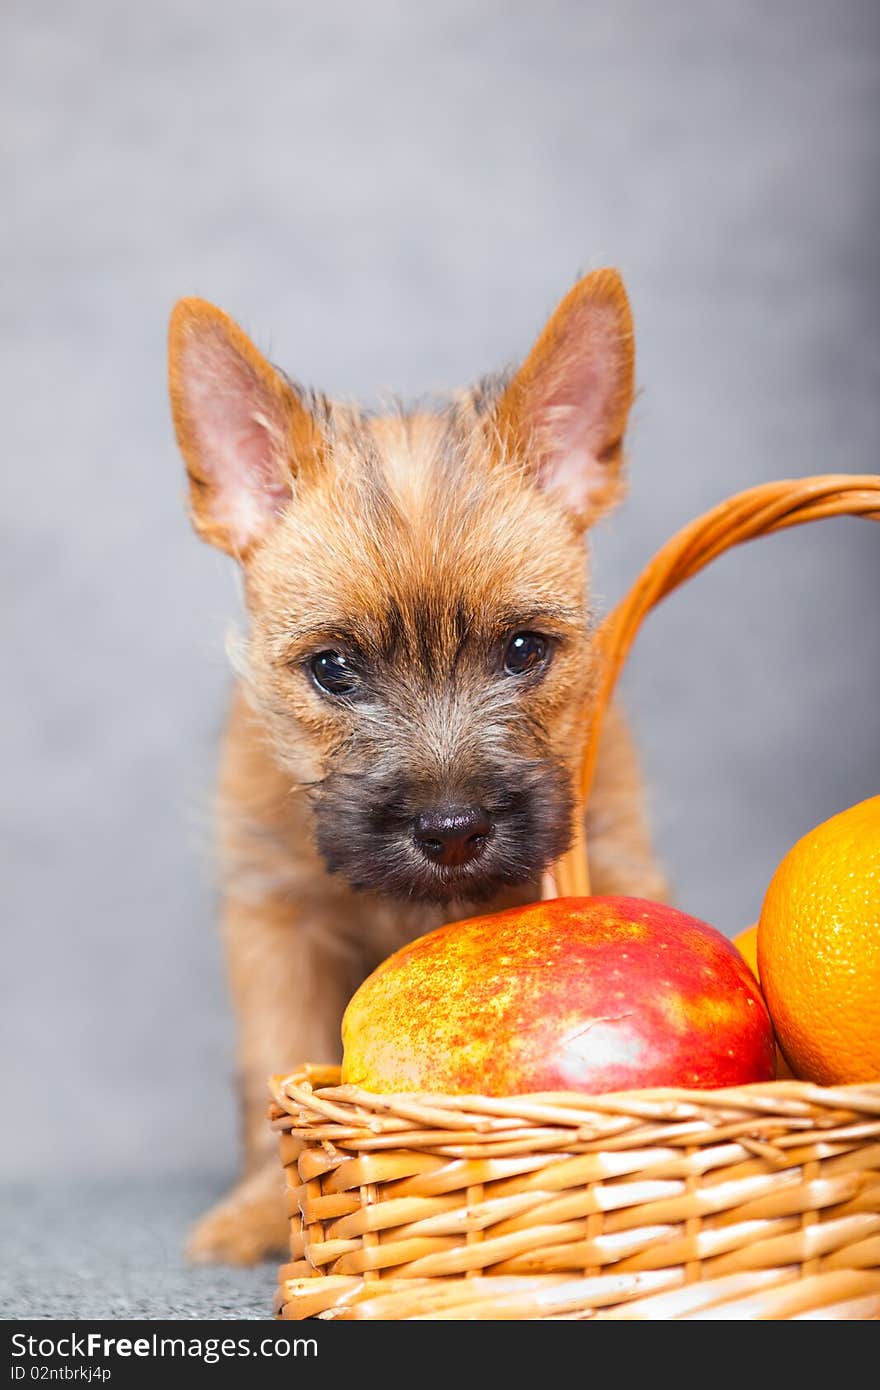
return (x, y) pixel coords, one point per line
(411, 843)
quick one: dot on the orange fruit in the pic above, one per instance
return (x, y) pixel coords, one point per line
(819, 949)
(747, 945)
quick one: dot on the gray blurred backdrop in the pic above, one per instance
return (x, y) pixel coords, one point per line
(394, 196)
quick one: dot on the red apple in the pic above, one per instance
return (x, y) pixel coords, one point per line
(586, 994)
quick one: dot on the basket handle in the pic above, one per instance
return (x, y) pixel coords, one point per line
(759, 511)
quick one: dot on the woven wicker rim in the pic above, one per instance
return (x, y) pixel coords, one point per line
(312, 1102)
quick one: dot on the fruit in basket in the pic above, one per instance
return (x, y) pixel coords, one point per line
(592, 994)
(819, 949)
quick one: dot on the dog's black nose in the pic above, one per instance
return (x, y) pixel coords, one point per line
(452, 835)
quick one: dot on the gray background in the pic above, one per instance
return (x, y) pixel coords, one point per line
(394, 196)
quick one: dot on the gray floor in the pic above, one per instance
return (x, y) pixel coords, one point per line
(113, 1250)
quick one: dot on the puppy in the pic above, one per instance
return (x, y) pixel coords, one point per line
(413, 692)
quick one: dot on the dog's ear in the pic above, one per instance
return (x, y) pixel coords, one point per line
(241, 427)
(565, 410)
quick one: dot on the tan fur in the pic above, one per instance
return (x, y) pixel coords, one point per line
(415, 511)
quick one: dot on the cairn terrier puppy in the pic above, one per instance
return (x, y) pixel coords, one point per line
(410, 712)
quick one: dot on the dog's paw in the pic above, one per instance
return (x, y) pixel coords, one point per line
(247, 1226)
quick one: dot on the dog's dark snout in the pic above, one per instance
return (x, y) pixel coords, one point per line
(452, 835)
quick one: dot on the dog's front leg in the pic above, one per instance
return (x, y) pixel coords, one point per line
(291, 978)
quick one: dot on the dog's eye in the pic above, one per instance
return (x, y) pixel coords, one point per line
(525, 652)
(334, 673)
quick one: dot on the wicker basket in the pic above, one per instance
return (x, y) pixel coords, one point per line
(758, 1201)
